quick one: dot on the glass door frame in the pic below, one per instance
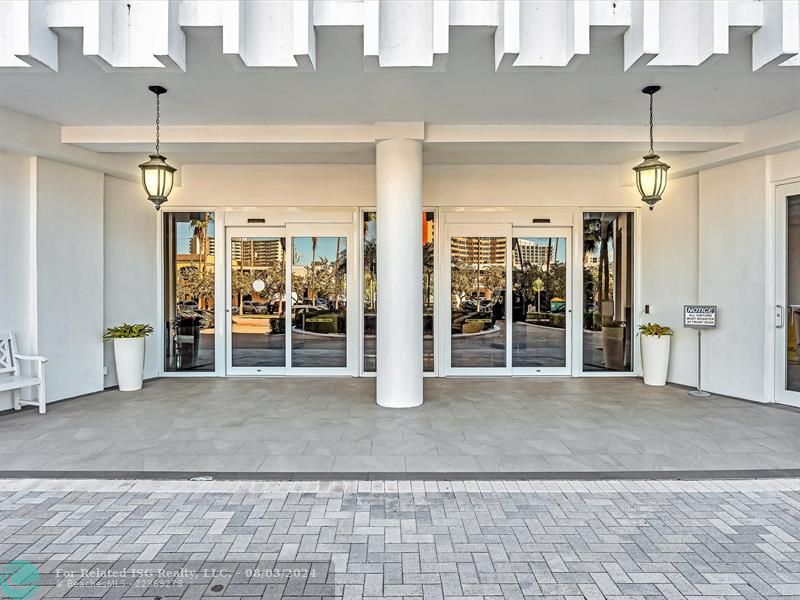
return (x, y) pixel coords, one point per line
(262, 231)
(781, 309)
(343, 230)
(539, 232)
(445, 297)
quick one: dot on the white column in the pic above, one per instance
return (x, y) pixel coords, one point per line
(399, 238)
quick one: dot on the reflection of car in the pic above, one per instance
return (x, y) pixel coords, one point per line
(301, 309)
(188, 304)
(558, 305)
(317, 319)
(195, 318)
(472, 321)
(260, 308)
(469, 305)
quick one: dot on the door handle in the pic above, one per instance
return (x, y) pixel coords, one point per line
(779, 316)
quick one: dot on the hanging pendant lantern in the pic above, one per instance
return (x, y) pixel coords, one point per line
(157, 174)
(651, 173)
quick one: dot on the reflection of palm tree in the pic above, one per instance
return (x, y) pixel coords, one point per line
(370, 267)
(311, 284)
(427, 271)
(201, 235)
(549, 250)
(605, 269)
(338, 278)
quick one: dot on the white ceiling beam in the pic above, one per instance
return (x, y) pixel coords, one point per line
(269, 33)
(140, 138)
(676, 135)
(120, 35)
(778, 38)
(507, 35)
(642, 39)
(691, 32)
(547, 34)
(528, 34)
(137, 138)
(406, 34)
(25, 39)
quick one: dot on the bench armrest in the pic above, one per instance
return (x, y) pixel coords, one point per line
(41, 359)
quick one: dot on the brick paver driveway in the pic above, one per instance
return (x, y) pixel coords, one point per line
(711, 539)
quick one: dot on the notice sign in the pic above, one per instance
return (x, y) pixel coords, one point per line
(699, 316)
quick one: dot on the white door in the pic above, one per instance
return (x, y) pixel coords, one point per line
(256, 301)
(540, 311)
(787, 293)
(475, 336)
(323, 307)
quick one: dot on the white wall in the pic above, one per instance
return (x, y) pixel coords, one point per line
(69, 259)
(275, 185)
(524, 185)
(669, 277)
(732, 259)
(443, 185)
(15, 253)
(130, 276)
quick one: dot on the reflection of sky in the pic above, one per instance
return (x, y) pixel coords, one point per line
(326, 248)
(371, 231)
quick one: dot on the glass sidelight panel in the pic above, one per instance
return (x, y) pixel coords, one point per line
(371, 289)
(319, 301)
(793, 293)
(477, 307)
(607, 291)
(428, 278)
(258, 301)
(539, 309)
(189, 244)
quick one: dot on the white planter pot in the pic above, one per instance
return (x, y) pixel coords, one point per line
(655, 358)
(129, 356)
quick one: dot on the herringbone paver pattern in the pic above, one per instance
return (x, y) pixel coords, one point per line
(407, 539)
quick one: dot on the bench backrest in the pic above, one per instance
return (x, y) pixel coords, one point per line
(7, 351)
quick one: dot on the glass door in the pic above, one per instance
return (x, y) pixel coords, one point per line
(541, 307)
(477, 274)
(256, 298)
(322, 278)
(787, 282)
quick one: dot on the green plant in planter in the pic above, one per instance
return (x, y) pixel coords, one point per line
(137, 330)
(655, 329)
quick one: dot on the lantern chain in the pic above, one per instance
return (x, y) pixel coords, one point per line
(158, 122)
(651, 123)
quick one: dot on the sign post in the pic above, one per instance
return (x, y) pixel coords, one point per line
(699, 317)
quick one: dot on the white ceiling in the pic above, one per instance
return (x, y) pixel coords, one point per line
(726, 92)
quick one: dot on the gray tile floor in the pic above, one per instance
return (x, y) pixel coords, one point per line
(409, 539)
(317, 425)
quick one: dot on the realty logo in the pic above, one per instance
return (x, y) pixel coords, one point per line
(19, 579)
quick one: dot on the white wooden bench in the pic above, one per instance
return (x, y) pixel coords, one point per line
(10, 377)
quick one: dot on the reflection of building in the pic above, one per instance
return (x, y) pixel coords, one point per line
(256, 253)
(427, 227)
(485, 250)
(197, 242)
(533, 252)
